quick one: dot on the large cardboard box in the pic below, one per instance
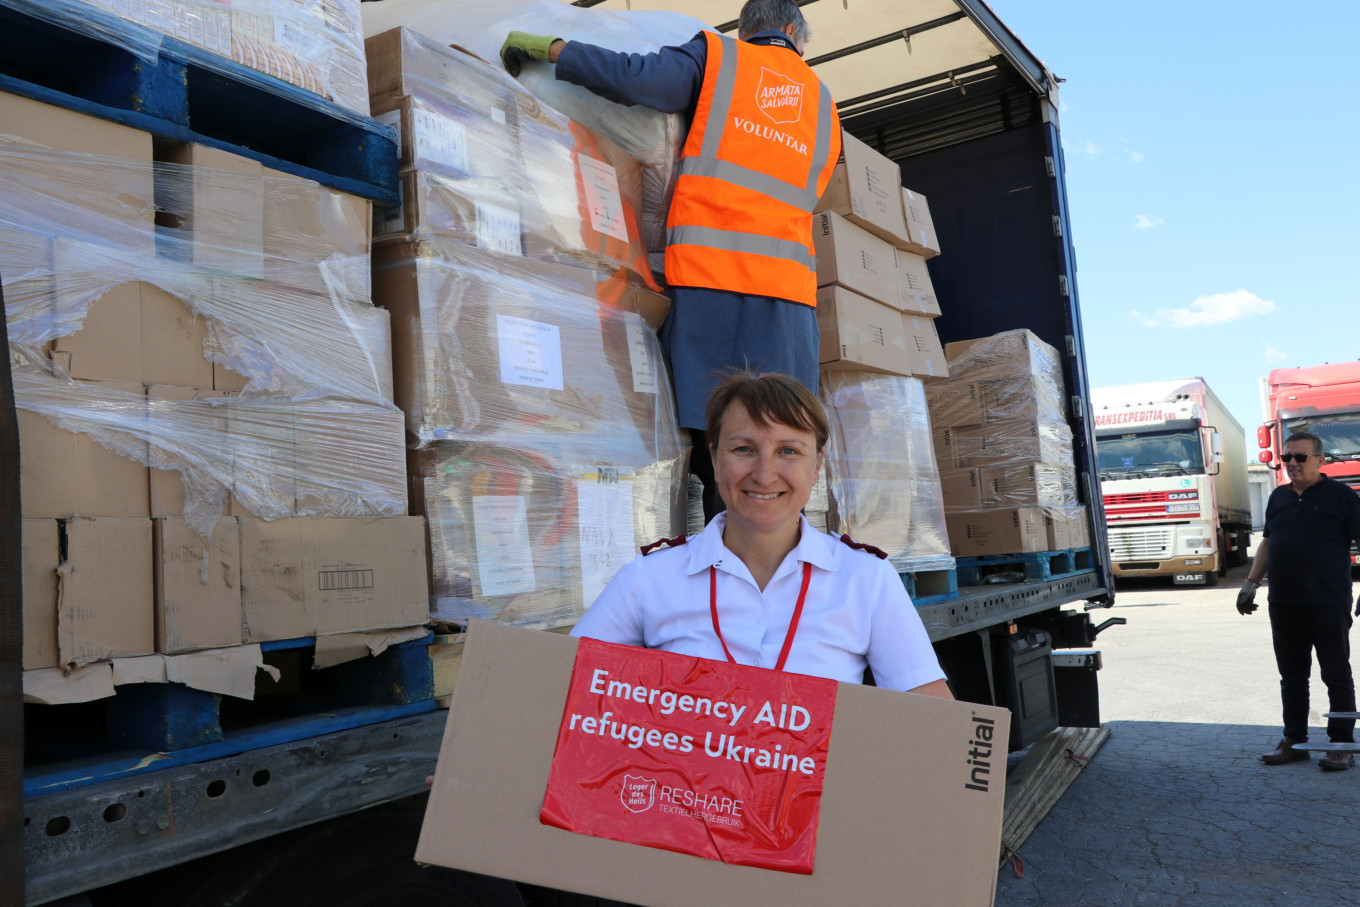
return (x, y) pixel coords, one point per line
(193, 408)
(1067, 527)
(313, 577)
(136, 332)
(915, 289)
(217, 199)
(41, 556)
(860, 334)
(63, 473)
(899, 822)
(855, 259)
(1015, 530)
(866, 189)
(961, 489)
(1010, 442)
(108, 345)
(923, 347)
(198, 586)
(920, 237)
(120, 199)
(106, 593)
(1029, 485)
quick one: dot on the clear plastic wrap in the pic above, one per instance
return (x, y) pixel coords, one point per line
(509, 351)
(882, 481)
(531, 535)
(316, 45)
(548, 442)
(492, 167)
(119, 270)
(651, 137)
(1000, 422)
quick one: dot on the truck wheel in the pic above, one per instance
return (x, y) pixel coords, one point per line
(360, 860)
(1210, 578)
(1222, 555)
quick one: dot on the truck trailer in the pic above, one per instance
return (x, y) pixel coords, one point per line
(329, 816)
(1173, 476)
(1323, 400)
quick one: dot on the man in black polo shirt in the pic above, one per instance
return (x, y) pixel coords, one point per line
(1305, 549)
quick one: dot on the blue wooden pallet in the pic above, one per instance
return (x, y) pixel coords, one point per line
(66, 53)
(1037, 566)
(929, 587)
(168, 720)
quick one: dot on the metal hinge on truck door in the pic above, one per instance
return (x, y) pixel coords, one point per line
(1062, 285)
(1050, 165)
(1057, 225)
(1071, 346)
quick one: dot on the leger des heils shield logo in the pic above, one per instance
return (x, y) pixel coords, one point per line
(638, 794)
(779, 97)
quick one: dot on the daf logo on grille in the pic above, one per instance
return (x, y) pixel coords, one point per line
(1182, 495)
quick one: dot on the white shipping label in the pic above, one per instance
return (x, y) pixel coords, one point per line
(439, 138)
(605, 505)
(531, 352)
(498, 229)
(600, 182)
(644, 374)
(498, 115)
(505, 565)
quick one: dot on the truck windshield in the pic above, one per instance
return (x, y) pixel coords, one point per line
(1147, 454)
(1340, 433)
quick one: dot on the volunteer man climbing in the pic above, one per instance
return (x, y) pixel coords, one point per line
(764, 137)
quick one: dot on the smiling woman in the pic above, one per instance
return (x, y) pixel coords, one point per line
(759, 586)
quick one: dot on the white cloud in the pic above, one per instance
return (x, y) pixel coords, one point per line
(1274, 355)
(1146, 222)
(1135, 157)
(1091, 148)
(1219, 308)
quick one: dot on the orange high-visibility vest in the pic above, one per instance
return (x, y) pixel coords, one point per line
(760, 152)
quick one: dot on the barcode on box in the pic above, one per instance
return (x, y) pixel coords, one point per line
(342, 580)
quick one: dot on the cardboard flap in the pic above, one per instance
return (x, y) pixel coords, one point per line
(55, 686)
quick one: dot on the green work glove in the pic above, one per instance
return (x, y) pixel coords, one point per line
(520, 46)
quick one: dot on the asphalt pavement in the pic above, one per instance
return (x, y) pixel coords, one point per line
(1176, 808)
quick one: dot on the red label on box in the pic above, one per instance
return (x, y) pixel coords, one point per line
(691, 755)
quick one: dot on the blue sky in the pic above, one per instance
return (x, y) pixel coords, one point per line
(1212, 152)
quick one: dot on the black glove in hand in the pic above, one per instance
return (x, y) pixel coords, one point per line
(1246, 599)
(1357, 606)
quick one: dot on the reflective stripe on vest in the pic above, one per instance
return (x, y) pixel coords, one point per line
(792, 242)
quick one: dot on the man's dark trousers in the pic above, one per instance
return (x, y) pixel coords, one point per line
(1297, 631)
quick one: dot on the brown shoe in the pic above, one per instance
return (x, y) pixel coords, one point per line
(1337, 762)
(1283, 753)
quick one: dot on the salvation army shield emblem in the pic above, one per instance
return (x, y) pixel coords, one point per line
(779, 97)
(638, 794)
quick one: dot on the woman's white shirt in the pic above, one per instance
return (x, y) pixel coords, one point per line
(857, 611)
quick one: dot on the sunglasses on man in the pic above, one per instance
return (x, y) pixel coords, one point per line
(1302, 458)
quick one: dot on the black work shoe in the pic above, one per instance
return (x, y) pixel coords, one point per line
(1283, 753)
(1337, 762)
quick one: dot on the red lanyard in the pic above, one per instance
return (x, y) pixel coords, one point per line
(793, 624)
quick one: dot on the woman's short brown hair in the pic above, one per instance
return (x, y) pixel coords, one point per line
(768, 397)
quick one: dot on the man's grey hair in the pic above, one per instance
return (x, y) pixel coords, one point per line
(772, 15)
(1306, 436)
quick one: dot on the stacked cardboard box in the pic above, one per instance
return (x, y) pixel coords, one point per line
(875, 311)
(1005, 448)
(536, 399)
(315, 46)
(195, 353)
(875, 302)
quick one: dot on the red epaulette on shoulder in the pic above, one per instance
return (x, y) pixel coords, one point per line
(860, 546)
(667, 543)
